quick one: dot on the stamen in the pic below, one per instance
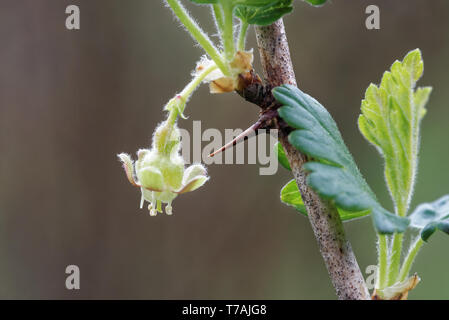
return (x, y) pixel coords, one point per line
(142, 201)
(169, 209)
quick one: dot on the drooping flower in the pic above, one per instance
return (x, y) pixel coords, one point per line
(160, 172)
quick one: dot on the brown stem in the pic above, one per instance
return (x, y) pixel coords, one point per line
(324, 218)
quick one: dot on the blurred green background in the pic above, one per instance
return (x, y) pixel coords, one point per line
(71, 100)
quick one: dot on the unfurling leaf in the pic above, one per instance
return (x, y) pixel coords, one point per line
(430, 217)
(333, 172)
(391, 116)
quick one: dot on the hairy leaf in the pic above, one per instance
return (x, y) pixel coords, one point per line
(333, 172)
(430, 217)
(390, 120)
(265, 15)
(290, 196)
(259, 12)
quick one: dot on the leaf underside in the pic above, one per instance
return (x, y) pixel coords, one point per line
(430, 217)
(264, 15)
(256, 12)
(333, 173)
(259, 12)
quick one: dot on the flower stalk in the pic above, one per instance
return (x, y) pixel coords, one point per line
(228, 31)
(218, 17)
(198, 34)
(383, 261)
(410, 258)
(242, 35)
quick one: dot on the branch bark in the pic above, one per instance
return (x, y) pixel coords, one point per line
(326, 223)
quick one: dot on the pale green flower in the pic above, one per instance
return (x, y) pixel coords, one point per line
(160, 172)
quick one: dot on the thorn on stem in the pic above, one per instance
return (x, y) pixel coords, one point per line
(239, 138)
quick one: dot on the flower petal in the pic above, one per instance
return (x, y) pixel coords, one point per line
(204, 64)
(151, 178)
(193, 184)
(128, 166)
(192, 172)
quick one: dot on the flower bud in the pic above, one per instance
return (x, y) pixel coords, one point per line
(219, 83)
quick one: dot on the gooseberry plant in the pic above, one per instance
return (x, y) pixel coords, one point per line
(328, 186)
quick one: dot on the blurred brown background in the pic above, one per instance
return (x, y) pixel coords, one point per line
(71, 100)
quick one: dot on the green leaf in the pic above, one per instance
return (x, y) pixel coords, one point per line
(290, 196)
(316, 2)
(264, 15)
(333, 173)
(390, 120)
(430, 217)
(282, 158)
(259, 12)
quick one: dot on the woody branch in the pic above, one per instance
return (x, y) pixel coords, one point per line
(327, 226)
